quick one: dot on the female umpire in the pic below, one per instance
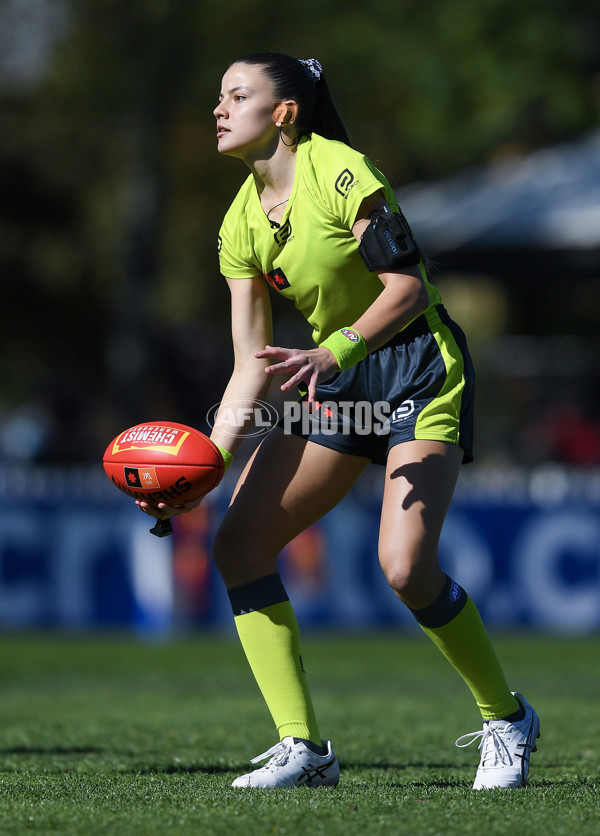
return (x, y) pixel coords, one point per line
(319, 223)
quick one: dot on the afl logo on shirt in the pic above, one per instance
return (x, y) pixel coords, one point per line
(344, 182)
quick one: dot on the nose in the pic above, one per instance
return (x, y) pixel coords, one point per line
(219, 110)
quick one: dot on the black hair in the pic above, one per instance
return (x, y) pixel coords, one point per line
(294, 80)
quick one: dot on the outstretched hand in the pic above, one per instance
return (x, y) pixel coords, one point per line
(310, 366)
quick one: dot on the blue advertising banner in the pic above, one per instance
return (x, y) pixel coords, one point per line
(526, 546)
(74, 554)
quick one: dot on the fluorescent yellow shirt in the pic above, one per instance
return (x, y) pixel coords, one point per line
(312, 258)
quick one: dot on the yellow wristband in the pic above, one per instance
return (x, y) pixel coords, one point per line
(227, 456)
(347, 346)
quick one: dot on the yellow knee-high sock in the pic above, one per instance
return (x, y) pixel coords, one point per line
(271, 642)
(465, 643)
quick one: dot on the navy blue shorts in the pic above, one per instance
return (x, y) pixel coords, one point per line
(419, 385)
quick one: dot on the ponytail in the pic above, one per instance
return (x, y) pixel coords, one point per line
(326, 119)
(302, 80)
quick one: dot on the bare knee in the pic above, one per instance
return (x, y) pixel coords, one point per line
(231, 553)
(416, 579)
(225, 545)
(241, 556)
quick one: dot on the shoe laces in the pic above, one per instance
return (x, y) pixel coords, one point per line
(280, 754)
(492, 745)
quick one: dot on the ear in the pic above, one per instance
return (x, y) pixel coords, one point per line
(285, 113)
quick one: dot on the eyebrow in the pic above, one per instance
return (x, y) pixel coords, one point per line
(233, 90)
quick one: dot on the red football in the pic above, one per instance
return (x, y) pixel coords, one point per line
(161, 461)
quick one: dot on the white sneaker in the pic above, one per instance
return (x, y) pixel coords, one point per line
(505, 749)
(292, 764)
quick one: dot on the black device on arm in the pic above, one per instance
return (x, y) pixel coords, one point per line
(387, 243)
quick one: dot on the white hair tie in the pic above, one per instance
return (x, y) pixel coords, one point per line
(313, 66)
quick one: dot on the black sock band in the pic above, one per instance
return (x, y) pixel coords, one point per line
(257, 595)
(445, 608)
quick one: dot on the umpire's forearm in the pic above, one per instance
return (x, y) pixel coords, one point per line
(235, 415)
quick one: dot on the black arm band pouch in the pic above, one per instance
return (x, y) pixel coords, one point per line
(387, 243)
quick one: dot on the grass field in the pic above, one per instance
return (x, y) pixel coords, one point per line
(111, 736)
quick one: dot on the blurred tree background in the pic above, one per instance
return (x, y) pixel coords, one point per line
(112, 192)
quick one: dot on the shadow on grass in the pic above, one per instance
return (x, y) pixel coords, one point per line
(575, 781)
(208, 769)
(385, 766)
(347, 768)
(52, 750)
(183, 769)
(216, 770)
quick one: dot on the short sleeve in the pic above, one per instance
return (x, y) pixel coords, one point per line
(234, 259)
(346, 178)
(236, 255)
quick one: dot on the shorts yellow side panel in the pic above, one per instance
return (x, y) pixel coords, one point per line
(440, 420)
